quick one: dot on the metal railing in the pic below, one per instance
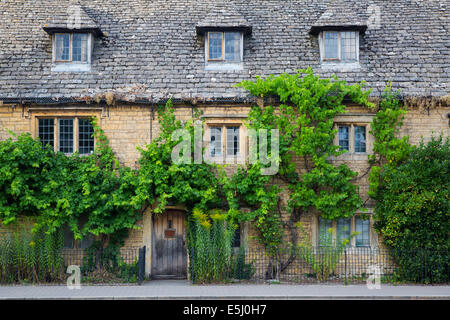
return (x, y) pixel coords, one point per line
(95, 267)
(327, 265)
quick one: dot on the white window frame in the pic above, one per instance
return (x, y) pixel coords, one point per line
(337, 63)
(69, 65)
(338, 59)
(222, 64)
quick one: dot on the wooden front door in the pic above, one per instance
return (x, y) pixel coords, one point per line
(169, 256)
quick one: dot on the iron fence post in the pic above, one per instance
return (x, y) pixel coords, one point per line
(345, 265)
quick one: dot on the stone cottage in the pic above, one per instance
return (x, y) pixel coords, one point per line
(63, 61)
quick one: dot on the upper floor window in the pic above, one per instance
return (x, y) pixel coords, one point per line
(67, 135)
(339, 46)
(224, 142)
(352, 138)
(224, 50)
(72, 51)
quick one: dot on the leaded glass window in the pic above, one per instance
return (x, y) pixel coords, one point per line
(343, 230)
(62, 47)
(363, 227)
(360, 139)
(232, 46)
(85, 136)
(331, 45)
(46, 128)
(341, 46)
(79, 47)
(216, 141)
(71, 47)
(66, 135)
(348, 46)
(324, 234)
(224, 46)
(215, 45)
(232, 141)
(344, 140)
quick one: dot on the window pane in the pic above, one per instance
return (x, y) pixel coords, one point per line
(86, 242)
(68, 237)
(363, 227)
(344, 138)
(331, 45)
(46, 132)
(324, 235)
(79, 47)
(343, 230)
(216, 141)
(62, 46)
(232, 141)
(85, 136)
(66, 135)
(215, 45)
(237, 237)
(348, 46)
(232, 46)
(360, 139)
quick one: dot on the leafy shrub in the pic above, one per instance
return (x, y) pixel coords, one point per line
(239, 269)
(102, 264)
(31, 257)
(412, 211)
(210, 247)
(324, 259)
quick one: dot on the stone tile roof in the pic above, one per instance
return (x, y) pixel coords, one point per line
(343, 13)
(73, 19)
(151, 49)
(223, 14)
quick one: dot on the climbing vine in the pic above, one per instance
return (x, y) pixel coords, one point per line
(64, 190)
(304, 119)
(94, 194)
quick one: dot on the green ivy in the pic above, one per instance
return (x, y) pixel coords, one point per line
(305, 123)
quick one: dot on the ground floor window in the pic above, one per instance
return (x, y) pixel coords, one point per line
(343, 228)
(67, 135)
(237, 237)
(71, 243)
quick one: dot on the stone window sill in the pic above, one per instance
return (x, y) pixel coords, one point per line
(340, 66)
(71, 67)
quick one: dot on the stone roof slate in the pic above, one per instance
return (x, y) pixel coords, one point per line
(73, 19)
(343, 13)
(151, 49)
(223, 14)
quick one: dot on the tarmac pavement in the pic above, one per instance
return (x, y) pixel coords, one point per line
(182, 289)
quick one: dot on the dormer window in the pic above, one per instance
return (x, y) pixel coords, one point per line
(224, 46)
(224, 50)
(72, 35)
(223, 30)
(339, 46)
(71, 47)
(72, 51)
